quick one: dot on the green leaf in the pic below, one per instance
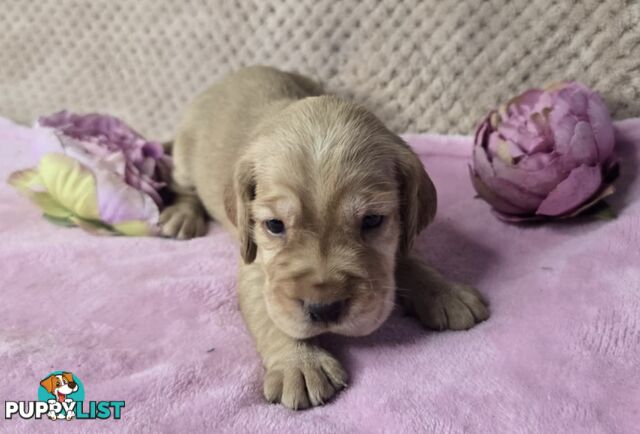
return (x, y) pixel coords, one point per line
(59, 221)
(94, 227)
(605, 212)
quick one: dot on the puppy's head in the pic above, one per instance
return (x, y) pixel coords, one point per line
(62, 383)
(325, 198)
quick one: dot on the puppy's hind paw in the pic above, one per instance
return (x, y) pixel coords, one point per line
(307, 380)
(183, 221)
(458, 307)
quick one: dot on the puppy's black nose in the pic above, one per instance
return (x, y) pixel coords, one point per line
(72, 384)
(321, 312)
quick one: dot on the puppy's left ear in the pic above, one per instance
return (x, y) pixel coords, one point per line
(418, 198)
(47, 383)
(237, 202)
(68, 376)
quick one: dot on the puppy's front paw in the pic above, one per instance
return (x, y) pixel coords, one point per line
(183, 222)
(458, 307)
(307, 378)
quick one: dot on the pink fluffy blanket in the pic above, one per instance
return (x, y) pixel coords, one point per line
(154, 322)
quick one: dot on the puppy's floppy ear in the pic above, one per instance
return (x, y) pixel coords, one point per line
(237, 201)
(418, 198)
(68, 376)
(49, 383)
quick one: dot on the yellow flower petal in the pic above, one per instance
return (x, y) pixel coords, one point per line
(66, 191)
(29, 183)
(70, 184)
(49, 205)
(26, 179)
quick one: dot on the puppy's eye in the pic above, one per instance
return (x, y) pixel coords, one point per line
(371, 221)
(276, 227)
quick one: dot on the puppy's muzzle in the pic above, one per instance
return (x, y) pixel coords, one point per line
(326, 312)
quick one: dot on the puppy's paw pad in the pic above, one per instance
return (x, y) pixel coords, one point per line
(457, 308)
(306, 381)
(182, 222)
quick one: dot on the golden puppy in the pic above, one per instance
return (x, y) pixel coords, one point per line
(326, 203)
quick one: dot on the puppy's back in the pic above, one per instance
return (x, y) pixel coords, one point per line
(217, 127)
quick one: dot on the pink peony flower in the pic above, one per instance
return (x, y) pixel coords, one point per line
(546, 154)
(145, 166)
(91, 171)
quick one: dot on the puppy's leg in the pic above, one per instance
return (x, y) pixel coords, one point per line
(186, 217)
(438, 303)
(299, 373)
(52, 414)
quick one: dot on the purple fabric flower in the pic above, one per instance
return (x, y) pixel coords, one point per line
(144, 164)
(546, 154)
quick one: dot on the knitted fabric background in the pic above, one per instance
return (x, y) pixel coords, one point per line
(434, 65)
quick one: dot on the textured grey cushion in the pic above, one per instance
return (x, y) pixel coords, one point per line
(434, 65)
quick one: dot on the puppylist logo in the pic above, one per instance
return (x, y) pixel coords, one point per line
(61, 397)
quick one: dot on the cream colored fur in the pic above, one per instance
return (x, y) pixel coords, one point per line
(263, 144)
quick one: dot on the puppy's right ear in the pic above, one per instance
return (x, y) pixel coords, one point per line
(47, 383)
(237, 202)
(418, 196)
